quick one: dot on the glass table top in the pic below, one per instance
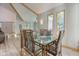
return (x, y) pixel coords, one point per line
(44, 40)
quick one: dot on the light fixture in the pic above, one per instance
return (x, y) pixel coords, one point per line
(8, 36)
(15, 35)
(41, 22)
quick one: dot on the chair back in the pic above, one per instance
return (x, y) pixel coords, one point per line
(27, 40)
(59, 43)
(45, 32)
(59, 37)
(53, 47)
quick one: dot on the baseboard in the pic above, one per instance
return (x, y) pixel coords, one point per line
(73, 49)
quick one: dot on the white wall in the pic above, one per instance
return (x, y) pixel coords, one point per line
(71, 37)
(72, 25)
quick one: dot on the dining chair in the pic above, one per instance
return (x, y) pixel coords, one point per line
(28, 43)
(53, 47)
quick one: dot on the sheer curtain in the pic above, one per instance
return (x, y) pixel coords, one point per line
(50, 22)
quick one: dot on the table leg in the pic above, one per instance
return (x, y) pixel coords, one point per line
(44, 52)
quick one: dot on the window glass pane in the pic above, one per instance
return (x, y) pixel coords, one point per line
(60, 21)
(50, 22)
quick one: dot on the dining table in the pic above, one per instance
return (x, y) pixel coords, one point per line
(44, 42)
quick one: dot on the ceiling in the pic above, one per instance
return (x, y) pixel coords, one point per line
(6, 15)
(41, 7)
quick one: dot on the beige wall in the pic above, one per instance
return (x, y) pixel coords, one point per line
(7, 27)
(7, 17)
(6, 13)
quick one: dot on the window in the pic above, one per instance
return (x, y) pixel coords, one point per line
(50, 22)
(60, 21)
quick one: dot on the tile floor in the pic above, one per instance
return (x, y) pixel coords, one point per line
(12, 48)
(69, 52)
